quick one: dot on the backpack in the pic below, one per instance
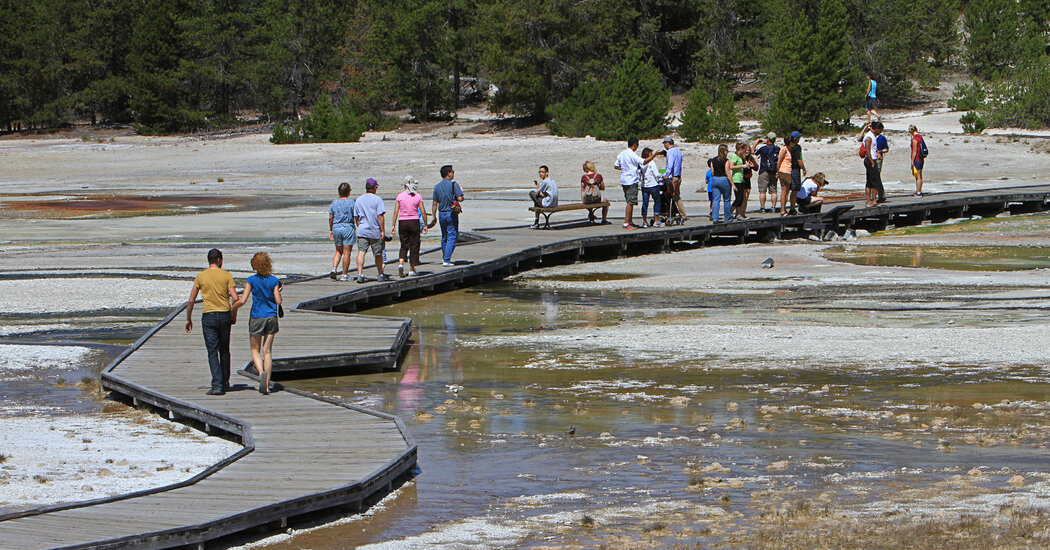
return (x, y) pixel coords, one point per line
(769, 157)
(923, 151)
(863, 151)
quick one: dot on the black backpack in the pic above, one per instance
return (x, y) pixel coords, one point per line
(769, 157)
(923, 151)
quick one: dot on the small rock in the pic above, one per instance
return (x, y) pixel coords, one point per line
(1016, 481)
(825, 387)
(642, 458)
(88, 488)
(778, 465)
(715, 437)
(423, 416)
(735, 484)
(863, 233)
(737, 424)
(702, 429)
(474, 424)
(104, 472)
(732, 406)
(680, 401)
(974, 472)
(814, 238)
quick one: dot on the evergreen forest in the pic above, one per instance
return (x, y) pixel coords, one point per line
(586, 67)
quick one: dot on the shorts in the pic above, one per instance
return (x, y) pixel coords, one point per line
(261, 326)
(869, 103)
(784, 178)
(803, 201)
(796, 179)
(746, 184)
(630, 193)
(364, 243)
(767, 182)
(676, 183)
(918, 164)
(344, 235)
(592, 199)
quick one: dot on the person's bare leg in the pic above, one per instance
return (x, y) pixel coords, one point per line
(360, 263)
(605, 214)
(379, 264)
(347, 252)
(336, 258)
(784, 190)
(257, 357)
(628, 214)
(267, 350)
(918, 181)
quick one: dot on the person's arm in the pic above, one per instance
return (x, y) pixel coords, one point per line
(867, 150)
(867, 91)
(244, 296)
(277, 293)
(331, 219)
(729, 170)
(650, 158)
(434, 209)
(397, 210)
(381, 220)
(780, 157)
(189, 308)
(735, 166)
(233, 300)
(423, 211)
(914, 147)
(802, 165)
(864, 130)
(583, 185)
(601, 184)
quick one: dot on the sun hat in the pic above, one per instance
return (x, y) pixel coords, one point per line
(772, 135)
(371, 183)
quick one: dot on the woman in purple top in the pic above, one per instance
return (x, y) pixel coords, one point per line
(411, 218)
(265, 291)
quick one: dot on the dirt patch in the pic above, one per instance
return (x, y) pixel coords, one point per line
(106, 206)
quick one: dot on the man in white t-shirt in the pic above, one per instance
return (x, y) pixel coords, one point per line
(546, 193)
(630, 166)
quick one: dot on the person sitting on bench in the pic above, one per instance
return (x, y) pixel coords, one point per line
(545, 195)
(808, 201)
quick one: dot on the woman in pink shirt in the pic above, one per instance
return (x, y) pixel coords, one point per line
(409, 211)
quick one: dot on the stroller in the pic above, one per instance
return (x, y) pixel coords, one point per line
(668, 207)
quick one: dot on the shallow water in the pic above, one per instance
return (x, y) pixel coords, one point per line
(959, 258)
(499, 468)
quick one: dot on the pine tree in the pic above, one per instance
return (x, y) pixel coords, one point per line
(636, 101)
(709, 117)
(790, 80)
(153, 63)
(995, 29)
(837, 81)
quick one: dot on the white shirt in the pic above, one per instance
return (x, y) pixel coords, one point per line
(873, 149)
(650, 175)
(630, 165)
(551, 189)
(808, 188)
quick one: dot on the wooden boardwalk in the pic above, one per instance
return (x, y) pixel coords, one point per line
(303, 453)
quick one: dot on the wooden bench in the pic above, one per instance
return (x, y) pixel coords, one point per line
(591, 207)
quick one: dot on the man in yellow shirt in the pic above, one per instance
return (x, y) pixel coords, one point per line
(218, 290)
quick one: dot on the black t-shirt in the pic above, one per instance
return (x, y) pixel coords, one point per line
(796, 155)
(718, 167)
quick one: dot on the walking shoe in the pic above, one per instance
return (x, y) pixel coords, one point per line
(792, 212)
(214, 391)
(412, 274)
(334, 274)
(447, 264)
(630, 226)
(361, 280)
(344, 277)
(384, 277)
(659, 224)
(645, 225)
(401, 271)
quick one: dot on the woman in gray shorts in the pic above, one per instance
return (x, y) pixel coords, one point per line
(265, 291)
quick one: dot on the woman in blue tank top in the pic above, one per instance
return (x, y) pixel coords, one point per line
(265, 291)
(869, 99)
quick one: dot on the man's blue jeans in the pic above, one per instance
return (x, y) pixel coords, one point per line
(449, 233)
(216, 328)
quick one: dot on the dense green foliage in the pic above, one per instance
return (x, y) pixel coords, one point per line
(709, 116)
(324, 124)
(630, 102)
(182, 65)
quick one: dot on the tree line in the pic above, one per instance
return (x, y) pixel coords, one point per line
(184, 65)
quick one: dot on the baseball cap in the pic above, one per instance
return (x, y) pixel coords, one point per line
(796, 134)
(772, 135)
(371, 183)
(668, 139)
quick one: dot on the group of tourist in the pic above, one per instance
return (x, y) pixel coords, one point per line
(360, 220)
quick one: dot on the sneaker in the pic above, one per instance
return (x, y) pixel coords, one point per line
(384, 277)
(215, 391)
(659, 224)
(447, 264)
(645, 225)
(344, 277)
(334, 274)
(792, 212)
(412, 274)
(630, 226)
(401, 271)
(361, 280)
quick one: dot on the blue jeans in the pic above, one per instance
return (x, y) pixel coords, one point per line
(653, 192)
(449, 233)
(722, 192)
(216, 328)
